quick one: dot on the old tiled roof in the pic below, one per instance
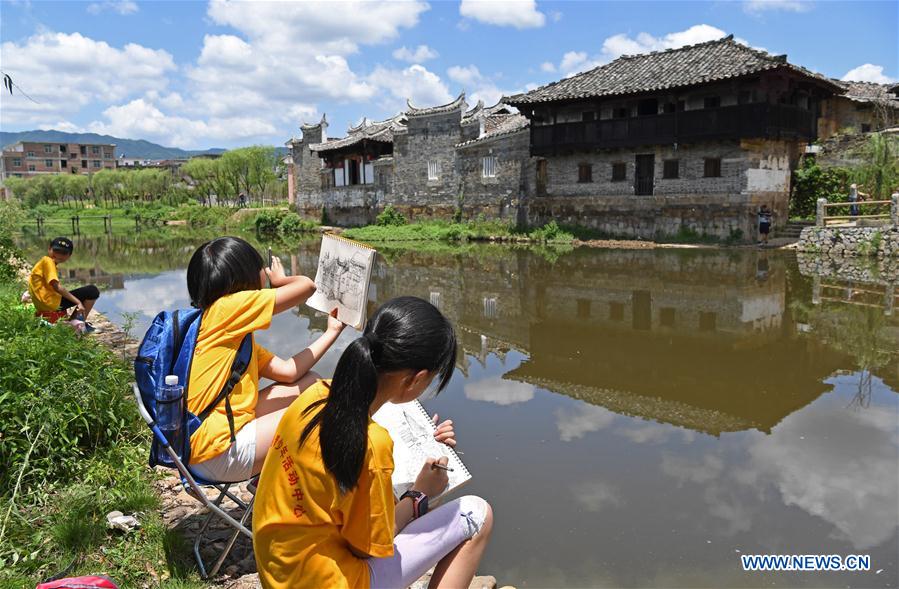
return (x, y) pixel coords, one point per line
(712, 61)
(497, 126)
(456, 104)
(479, 110)
(471, 115)
(382, 131)
(307, 126)
(869, 92)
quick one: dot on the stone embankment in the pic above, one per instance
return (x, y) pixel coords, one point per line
(184, 514)
(880, 242)
(881, 271)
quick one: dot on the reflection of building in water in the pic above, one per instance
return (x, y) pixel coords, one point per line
(694, 339)
(78, 276)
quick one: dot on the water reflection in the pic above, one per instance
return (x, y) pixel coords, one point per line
(640, 418)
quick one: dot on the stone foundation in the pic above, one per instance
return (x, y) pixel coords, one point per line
(851, 241)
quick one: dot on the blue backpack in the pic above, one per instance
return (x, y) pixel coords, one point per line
(168, 348)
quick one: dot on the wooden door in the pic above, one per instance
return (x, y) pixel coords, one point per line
(541, 177)
(644, 174)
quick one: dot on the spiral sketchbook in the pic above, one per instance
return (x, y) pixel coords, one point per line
(342, 279)
(413, 443)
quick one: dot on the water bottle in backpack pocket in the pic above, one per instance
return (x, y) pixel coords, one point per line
(171, 407)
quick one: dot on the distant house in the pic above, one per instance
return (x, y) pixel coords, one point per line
(27, 159)
(692, 140)
(687, 141)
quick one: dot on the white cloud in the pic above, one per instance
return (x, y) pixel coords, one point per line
(499, 391)
(143, 119)
(477, 85)
(416, 82)
(521, 14)
(547, 66)
(122, 7)
(868, 73)
(573, 424)
(759, 6)
(66, 72)
(65, 126)
(421, 54)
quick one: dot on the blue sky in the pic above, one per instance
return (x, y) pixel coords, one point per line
(225, 74)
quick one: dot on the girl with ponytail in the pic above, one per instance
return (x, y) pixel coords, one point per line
(325, 514)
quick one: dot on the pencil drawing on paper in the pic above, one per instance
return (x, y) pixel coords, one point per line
(343, 278)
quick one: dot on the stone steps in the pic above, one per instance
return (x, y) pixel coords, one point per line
(793, 229)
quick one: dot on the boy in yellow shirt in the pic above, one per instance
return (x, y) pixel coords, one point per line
(49, 296)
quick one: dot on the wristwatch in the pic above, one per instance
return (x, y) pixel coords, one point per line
(419, 502)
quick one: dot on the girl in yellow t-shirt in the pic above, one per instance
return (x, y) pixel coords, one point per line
(325, 514)
(226, 278)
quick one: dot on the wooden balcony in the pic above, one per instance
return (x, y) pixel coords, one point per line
(762, 120)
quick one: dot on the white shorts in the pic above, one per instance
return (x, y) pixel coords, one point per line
(234, 464)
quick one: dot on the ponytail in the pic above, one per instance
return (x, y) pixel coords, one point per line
(343, 421)
(404, 333)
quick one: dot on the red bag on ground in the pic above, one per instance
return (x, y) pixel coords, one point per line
(89, 582)
(51, 316)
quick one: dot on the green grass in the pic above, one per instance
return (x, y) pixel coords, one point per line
(444, 231)
(73, 449)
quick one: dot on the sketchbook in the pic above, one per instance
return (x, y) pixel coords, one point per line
(412, 432)
(342, 279)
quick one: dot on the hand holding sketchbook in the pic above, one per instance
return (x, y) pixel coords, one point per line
(342, 279)
(413, 443)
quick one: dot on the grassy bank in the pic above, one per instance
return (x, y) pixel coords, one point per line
(72, 451)
(393, 227)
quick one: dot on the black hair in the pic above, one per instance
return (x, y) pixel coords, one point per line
(221, 267)
(404, 333)
(62, 245)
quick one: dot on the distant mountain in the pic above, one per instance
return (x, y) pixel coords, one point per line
(136, 148)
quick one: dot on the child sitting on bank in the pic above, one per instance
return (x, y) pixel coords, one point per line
(325, 514)
(226, 279)
(51, 300)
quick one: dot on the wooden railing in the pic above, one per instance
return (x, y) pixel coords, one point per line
(849, 212)
(762, 120)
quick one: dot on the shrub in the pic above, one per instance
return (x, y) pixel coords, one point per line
(269, 220)
(199, 216)
(390, 217)
(292, 224)
(813, 182)
(551, 232)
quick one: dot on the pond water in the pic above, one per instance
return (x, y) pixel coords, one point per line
(637, 418)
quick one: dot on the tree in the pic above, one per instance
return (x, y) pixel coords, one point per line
(262, 163)
(203, 173)
(880, 172)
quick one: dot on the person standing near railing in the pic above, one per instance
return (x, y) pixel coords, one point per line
(854, 196)
(764, 217)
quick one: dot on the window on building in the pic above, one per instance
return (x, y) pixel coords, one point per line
(48, 149)
(62, 149)
(489, 167)
(666, 316)
(711, 102)
(433, 170)
(31, 168)
(107, 155)
(17, 163)
(681, 105)
(435, 299)
(619, 172)
(588, 116)
(744, 97)
(48, 163)
(490, 308)
(620, 113)
(583, 308)
(670, 108)
(649, 106)
(83, 149)
(63, 163)
(96, 163)
(584, 173)
(83, 163)
(30, 154)
(616, 311)
(671, 169)
(95, 149)
(712, 167)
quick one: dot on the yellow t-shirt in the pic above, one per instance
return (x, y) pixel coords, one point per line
(224, 325)
(303, 526)
(42, 294)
